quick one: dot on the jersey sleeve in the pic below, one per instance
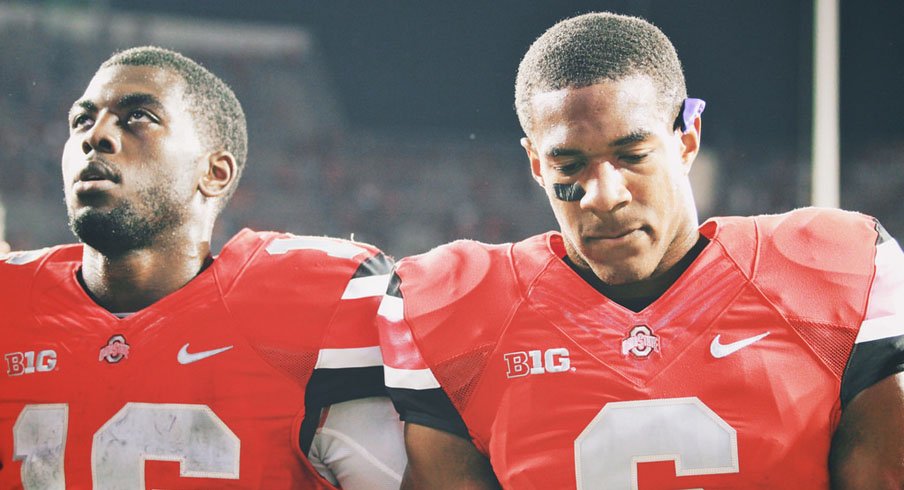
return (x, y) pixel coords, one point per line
(349, 362)
(879, 347)
(411, 384)
(359, 445)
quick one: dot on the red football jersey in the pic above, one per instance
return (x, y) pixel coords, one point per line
(734, 378)
(218, 385)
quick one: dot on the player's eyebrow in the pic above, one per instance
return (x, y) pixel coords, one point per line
(139, 99)
(85, 105)
(631, 138)
(558, 151)
(637, 136)
(134, 99)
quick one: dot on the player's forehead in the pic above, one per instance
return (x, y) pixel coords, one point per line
(110, 84)
(609, 113)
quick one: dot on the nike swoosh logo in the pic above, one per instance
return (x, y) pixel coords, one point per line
(719, 350)
(185, 357)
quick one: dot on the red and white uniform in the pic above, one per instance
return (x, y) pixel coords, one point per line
(734, 378)
(218, 385)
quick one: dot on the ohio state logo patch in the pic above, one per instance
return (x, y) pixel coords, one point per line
(640, 342)
(116, 350)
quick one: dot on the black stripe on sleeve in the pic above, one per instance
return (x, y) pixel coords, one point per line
(871, 362)
(884, 235)
(430, 408)
(377, 265)
(394, 288)
(329, 386)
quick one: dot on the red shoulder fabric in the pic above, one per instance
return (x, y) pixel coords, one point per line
(814, 265)
(832, 253)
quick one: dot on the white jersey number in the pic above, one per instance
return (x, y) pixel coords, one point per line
(39, 438)
(191, 434)
(623, 434)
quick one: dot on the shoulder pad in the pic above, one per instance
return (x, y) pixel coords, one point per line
(59, 253)
(19, 270)
(458, 296)
(812, 263)
(290, 257)
(286, 290)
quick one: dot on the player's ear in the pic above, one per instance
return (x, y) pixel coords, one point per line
(690, 144)
(218, 175)
(534, 160)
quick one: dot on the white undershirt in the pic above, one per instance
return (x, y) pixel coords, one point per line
(360, 445)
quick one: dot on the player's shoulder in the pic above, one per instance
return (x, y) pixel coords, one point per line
(812, 262)
(466, 273)
(827, 226)
(808, 238)
(464, 262)
(302, 293)
(29, 262)
(463, 266)
(283, 248)
(460, 283)
(20, 271)
(279, 256)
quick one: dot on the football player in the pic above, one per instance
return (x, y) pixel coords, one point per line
(138, 360)
(634, 348)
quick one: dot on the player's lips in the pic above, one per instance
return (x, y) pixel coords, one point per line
(96, 177)
(93, 186)
(613, 235)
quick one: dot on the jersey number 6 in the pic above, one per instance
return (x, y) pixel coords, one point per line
(623, 434)
(191, 434)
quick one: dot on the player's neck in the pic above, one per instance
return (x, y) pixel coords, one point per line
(637, 296)
(139, 278)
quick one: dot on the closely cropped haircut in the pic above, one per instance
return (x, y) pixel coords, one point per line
(594, 48)
(217, 112)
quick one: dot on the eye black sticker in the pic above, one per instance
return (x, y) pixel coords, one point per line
(569, 192)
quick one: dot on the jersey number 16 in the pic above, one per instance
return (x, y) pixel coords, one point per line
(191, 434)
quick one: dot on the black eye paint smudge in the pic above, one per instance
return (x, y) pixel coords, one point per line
(568, 192)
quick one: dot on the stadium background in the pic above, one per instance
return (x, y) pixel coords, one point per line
(393, 121)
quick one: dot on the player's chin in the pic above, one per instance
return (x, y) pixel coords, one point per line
(625, 274)
(91, 199)
(609, 250)
(617, 267)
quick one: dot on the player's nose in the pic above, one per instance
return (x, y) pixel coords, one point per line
(605, 190)
(103, 137)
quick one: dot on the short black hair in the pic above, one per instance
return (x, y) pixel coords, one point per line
(217, 111)
(597, 47)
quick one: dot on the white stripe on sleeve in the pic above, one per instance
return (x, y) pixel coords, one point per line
(391, 308)
(349, 358)
(885, 312)
(365, 287)
(413, 379)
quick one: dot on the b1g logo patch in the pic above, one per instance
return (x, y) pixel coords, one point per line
(19, 363)
(116, 350)
(536, 362)
(640, 342)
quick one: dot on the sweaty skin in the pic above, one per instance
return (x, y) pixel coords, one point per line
(867, 449)
(442, 461)
(637, 217)
(132, 145)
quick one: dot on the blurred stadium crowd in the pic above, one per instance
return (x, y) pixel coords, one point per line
(310, 172)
